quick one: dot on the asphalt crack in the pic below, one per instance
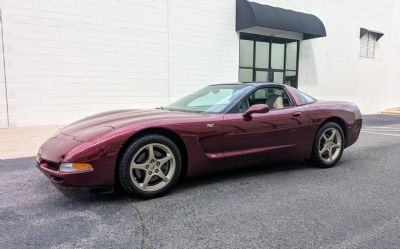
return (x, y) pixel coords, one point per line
(141, 223)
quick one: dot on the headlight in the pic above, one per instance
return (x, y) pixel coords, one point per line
(75, 167)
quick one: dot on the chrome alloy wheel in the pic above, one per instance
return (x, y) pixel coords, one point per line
(152, 167)
(330, 145)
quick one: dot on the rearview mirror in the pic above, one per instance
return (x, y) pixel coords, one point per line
(259, 108)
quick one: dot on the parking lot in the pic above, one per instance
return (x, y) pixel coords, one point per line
(294, 205)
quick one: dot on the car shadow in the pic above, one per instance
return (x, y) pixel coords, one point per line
(89, 196)
(241, 174)
(187, 184)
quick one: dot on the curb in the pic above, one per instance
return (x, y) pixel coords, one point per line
(392, 111)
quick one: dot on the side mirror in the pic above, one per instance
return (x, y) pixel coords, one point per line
(259, 108)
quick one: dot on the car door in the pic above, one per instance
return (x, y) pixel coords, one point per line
(273, 135)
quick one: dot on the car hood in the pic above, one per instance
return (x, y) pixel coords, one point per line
(94, 126)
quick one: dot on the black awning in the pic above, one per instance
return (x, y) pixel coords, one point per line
(249, 14)
(363, 31)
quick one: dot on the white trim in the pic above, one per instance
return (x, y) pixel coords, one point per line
(273, 32)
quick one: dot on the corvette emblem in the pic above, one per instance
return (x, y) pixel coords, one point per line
(210, 125)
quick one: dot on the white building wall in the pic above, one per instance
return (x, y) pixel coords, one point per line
(330, 67)
(204, 47)
(3, 101)
(339, 71)
(396, 52)
(66, 59)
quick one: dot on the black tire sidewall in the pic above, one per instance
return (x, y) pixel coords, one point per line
(127, 156)
(317, 161)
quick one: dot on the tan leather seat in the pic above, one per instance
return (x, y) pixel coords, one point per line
(278, 103)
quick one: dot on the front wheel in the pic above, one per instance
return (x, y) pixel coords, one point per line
(149, 166)
(328, 146)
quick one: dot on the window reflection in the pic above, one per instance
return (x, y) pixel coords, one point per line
(245, 75)
(246, 53)
(262, 55)
(264, 59)
(291, 56)
(290, 78)
(261, 76)
(277, 55)
(278, 77)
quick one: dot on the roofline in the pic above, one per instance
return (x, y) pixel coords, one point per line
(254, 84)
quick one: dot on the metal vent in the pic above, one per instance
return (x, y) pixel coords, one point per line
(367, 44)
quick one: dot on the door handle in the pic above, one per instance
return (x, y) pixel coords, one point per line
(296, 114)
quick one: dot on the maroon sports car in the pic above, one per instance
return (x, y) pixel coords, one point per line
(216, 128)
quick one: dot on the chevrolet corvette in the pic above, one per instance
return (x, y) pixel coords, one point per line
(216, 128)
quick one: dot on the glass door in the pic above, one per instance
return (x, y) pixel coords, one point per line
(262, 51)
(277, 62)
(268, 59)
(291, 63)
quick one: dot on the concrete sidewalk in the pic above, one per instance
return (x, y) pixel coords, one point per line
(23, 142)
(392, 111)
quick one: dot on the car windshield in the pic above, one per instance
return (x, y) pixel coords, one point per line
(211, 99)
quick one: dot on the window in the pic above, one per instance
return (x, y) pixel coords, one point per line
(291, 64)
(274, 97)
(211, 99)
(367, 45)
(303, 98)
(268, 59)
(368, 41)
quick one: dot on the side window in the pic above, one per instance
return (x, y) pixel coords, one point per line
(274, 97)
(303, 98)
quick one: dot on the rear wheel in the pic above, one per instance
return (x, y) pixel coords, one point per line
(328, 146)
(150, 166)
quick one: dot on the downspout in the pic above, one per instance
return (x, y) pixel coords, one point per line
(4, 68)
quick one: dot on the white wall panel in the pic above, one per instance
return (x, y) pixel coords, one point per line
(3, 100)
(330, 67)
(66, 59)
(204, 47)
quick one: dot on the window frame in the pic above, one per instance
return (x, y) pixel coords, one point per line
(270, 70)
(235, 108)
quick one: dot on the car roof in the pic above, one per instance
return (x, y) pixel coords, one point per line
(254, 84)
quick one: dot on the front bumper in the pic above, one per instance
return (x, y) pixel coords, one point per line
(66, 181)
(75, 179)
(61, 148)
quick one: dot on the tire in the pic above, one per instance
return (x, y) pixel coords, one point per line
(149, 166)
(328, 146)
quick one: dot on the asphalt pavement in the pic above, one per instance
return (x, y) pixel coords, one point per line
(291, 205)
